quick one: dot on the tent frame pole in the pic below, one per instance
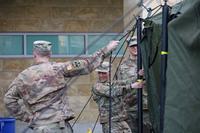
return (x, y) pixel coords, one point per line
(163, 67)
(139, 66)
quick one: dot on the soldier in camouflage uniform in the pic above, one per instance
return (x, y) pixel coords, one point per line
(128, 73)
(101, 95)
(42, 87)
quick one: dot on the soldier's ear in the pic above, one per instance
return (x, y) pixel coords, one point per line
(34, 54)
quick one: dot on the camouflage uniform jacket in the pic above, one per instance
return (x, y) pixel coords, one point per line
(101, 96)
(42, 87)
(128, 74)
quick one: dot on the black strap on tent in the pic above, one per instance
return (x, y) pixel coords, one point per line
(95, 123)
(164, 55)
(139, 66)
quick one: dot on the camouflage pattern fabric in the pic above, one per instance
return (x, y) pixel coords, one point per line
(128, 73)
(53, 128)
(42, 46)
(41, 83)
(101, 96)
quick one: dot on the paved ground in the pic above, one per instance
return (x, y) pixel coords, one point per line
(78, 128)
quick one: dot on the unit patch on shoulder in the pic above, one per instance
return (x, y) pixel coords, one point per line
(69, 67)
(77, 64)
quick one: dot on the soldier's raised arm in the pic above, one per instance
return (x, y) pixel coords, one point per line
(86, 65)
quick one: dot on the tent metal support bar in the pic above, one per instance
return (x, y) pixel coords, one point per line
(139, 66)
(163, 68)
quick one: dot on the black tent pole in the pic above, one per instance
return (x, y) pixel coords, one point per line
(164, 54)
(139, 66)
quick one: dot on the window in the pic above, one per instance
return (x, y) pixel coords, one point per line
(11, 45)
(64, 44)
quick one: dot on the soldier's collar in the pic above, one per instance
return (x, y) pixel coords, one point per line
(103, 82)
(132, 58)
(41, 62)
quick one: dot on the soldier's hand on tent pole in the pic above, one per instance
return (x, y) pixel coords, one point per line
(138, 84)
(141, 72)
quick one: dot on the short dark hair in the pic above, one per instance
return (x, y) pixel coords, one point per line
(42, 53)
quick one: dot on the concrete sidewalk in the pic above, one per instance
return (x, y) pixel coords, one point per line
(78, 128)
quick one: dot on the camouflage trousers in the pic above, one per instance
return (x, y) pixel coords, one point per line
(116, 127)
(54, 128)
(133, 122)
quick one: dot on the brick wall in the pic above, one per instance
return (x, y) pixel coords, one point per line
(60, 15)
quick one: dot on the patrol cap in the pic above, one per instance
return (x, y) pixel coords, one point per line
(133, 41)
(104, 67)
(42, 46)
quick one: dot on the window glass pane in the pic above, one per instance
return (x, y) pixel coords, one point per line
(95, 43)
(71, 44)
(11, 45)
(61, 45)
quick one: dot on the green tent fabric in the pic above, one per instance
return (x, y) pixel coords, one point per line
(182, 107)
(150, 46)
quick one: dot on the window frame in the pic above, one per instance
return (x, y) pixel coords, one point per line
(24, 41)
